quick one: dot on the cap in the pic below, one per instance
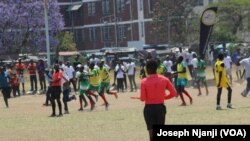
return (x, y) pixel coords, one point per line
(79, 65)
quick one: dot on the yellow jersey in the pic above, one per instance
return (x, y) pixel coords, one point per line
(94, 78)
(104, 74)
(180, 68)
(219, 67)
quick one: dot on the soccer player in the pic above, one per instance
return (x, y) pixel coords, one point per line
(201, 75)
(84, 84)
(153, 94)
(222, 81)
(182, 81)
(105, 82)
(94, 83)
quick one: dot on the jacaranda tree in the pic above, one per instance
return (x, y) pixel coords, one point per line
(22, 25)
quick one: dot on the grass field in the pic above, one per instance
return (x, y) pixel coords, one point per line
(27, 119)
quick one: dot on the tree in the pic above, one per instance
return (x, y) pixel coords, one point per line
(22, 24)
(171, 19)
(233, 18)
(66, 42)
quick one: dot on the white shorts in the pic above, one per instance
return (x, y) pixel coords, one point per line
(229, 71)
(21, 79)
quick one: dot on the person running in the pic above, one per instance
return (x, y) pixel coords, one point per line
(70, 71)
(83, 79)
(153, 94)
(56, 91)
(4, 85)
(222, 82)
(105, 82)
(246, 64)
(201, 75)
(93, 84)
(66, 89)
(182, 81)
(20, 67)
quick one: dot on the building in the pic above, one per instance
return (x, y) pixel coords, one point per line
(111, 23)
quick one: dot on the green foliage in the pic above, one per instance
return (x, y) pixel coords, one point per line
(66, 42)
(233, 18)
(173, 17)
(223, 36)
(82, 59)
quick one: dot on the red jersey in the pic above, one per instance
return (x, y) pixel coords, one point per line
(32, 69)
(57, 75)
(14, 81)
(153, 89)
(20, 68)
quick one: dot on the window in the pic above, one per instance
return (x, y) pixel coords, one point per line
(210, 1)
(120, 5)
(200, 3)
(121, 32)
(105, 7)
(141, 5)
(106, 31)
(92, 34)
(91, 9)
(150, 6)
(142, 29)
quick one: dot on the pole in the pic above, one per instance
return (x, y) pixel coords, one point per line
(131, 19)
(47, 32)
(116, 40)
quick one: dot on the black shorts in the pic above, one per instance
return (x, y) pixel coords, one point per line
(154, 114)
(55, 92)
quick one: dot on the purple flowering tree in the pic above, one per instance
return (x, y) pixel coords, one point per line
(22, 25)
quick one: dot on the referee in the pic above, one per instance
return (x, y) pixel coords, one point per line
(153, 94)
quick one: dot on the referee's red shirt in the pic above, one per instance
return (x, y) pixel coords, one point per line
(153, 89)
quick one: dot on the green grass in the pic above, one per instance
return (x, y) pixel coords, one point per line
(27, 119)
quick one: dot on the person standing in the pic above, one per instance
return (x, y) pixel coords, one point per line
(49, 74)
(33, 80)
(236, 57)
(194, 62)
(119, 76)
(168, 65)
(41, 75)
(56, 91)
(222, 82)
(153, 94)
(246, 64)
(228, 65)
(5, 86)
(20, 67)
(131, 75)
(201, 75)
(182, 81)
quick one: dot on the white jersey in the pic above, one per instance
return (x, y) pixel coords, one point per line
(227, 61)
(168, 64)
